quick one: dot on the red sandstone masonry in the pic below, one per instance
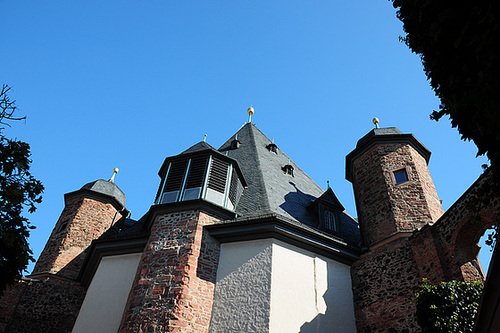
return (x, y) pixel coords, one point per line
(385, 208)
(88, 219)
(174, 287)
(386, 278)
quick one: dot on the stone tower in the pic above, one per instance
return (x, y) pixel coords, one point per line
(393, 188)
(87, 214)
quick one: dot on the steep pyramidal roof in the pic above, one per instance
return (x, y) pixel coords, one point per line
(270, 189)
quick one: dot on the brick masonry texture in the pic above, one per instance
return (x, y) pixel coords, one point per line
(174, 286)
(385, 208)
(49, 304)
(386, 278)
(87, 219)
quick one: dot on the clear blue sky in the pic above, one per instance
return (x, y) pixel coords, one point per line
(126, 83)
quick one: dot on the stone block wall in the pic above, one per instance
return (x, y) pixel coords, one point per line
(174, 287)
(386, 278)
(48, 304)
(384, 283)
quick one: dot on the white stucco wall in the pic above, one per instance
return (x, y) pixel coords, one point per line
(271, 286)
(309, 293)
(242, 292)
(106, 297)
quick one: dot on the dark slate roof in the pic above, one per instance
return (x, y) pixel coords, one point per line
(270, 190)
(200, 146)
(107, 188)
(378, 132)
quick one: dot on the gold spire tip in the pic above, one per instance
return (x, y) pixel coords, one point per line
(112, 179)
(376, 121)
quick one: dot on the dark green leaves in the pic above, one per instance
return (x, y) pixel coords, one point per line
(448, 306)
(457, 42)
(19, 191)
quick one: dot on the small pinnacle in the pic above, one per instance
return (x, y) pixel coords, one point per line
(205, 138)
(250, 111)
(112, 179)
(376, 121)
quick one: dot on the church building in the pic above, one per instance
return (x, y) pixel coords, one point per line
(241, 239)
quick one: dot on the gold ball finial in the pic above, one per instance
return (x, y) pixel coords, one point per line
(112, 179)
(375, 121)
(250, 111)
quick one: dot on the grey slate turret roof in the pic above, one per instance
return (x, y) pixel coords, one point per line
(106, 188)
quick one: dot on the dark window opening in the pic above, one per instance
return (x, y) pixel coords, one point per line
(235, 144)
(400, 176)
(272, 148)
(288, 169)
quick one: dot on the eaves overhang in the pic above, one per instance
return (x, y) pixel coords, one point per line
(277, 227)
(372, 138)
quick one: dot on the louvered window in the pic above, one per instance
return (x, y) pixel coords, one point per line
(195, 178)
(174, 181)
(218, 175)
(205, 177)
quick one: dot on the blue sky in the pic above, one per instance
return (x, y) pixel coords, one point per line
(125, 84)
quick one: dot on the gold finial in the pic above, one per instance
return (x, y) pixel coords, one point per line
(112, 179)
(250, 113)
(376, 121)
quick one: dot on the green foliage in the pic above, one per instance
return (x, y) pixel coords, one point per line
(19, 191)
(448, 306)
(457, 42)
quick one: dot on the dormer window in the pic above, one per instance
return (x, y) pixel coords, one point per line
(235, 144)
(328, 211)
(288, 169)
(206, 176)
(272, 148)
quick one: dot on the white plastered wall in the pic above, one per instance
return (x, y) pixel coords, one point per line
(106, 297)
(271, 286)
(309, 293)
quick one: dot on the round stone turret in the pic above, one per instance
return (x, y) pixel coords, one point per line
(394, 191)
(88, 213)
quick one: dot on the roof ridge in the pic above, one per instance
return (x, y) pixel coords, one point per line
(261, 179)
